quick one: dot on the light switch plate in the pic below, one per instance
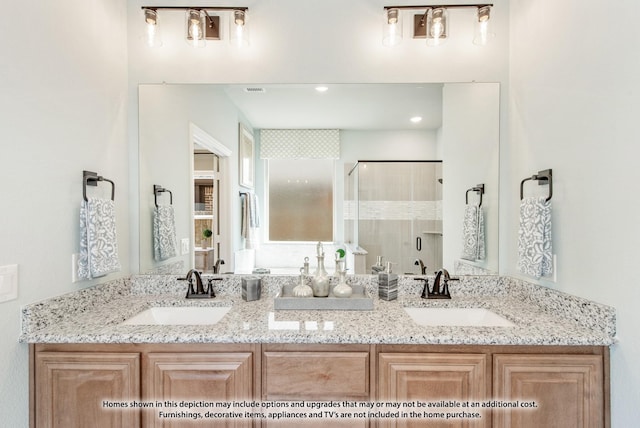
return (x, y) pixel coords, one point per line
(185, 246)
(8, 283)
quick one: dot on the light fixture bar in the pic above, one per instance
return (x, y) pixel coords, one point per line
(437, 6)
(421, 21)
(213, 8)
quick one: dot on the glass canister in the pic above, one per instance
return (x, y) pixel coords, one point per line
(320, 280)
(342, 289)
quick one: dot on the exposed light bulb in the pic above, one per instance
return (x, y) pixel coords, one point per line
(195, 28)
(481, 31)
(152, 35)
(238, 28)
(436, 26)
(392, 27)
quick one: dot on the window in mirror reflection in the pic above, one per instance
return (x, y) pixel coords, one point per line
(300, 199)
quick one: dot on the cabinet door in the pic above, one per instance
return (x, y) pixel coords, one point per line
(567, 389)
(320, 375)
(421, 378)
(85, 389)
(304, 377)
(207, 377)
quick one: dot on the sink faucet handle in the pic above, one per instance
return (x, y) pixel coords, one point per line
(425, 288)
(210, 290)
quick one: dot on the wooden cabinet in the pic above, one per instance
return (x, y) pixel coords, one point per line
(189, 376)
(75, 385)
(567, 390)
(432, 377)
(331, 372)
(303, 374)
(86, 389)
(568, 384)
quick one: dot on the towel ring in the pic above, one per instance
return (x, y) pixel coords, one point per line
(479, 188)
(90, 178)
(159, 189)
(542, 177)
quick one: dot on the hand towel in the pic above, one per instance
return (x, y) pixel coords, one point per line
(164, 233)
(534, 237)
(473, 245)
(250, 221)
(98, 239)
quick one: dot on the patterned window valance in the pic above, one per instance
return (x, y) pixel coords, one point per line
(300, 144)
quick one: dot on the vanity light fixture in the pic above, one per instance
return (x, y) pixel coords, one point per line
(436, 26)
(196, 28)
(481, 32)
(392, 27)
(238, 28)
(432, 25)
(152, 33)
(201, 25)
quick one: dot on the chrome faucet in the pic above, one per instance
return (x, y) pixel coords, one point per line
(199, 292)
(216, 267)
(423, 267)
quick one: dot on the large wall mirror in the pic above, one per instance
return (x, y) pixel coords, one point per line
(398, 188)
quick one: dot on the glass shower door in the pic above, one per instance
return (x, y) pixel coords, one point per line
(400, 213)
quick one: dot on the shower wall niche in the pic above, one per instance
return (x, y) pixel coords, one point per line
(393, 209)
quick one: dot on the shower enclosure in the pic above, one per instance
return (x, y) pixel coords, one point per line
(393, 209)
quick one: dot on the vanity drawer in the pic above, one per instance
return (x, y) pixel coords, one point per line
(321, 374)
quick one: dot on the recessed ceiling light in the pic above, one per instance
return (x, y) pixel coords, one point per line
(416, 119)
(322, 88)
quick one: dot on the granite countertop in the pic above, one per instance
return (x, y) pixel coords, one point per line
(541, 316)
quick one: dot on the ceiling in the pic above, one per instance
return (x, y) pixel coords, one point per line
(341, 106)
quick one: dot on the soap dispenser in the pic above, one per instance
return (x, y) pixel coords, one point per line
(320, 280)
(377, 268)
(388, 284)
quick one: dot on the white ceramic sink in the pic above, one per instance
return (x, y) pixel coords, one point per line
(179, 315)
(475, 317)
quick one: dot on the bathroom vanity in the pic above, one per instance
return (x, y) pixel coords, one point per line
(85, 362)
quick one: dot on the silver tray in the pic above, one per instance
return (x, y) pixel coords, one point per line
(359, 301)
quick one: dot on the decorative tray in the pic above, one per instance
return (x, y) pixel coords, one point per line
(358, 301)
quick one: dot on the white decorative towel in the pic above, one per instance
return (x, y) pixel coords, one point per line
(473, 245)
(164, 233)
(250, 221)
(98, 241)
(534, 237)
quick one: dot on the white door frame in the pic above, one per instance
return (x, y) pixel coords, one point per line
(198, 136)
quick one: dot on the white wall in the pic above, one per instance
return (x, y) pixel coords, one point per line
(574, 108)
(63, 109)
